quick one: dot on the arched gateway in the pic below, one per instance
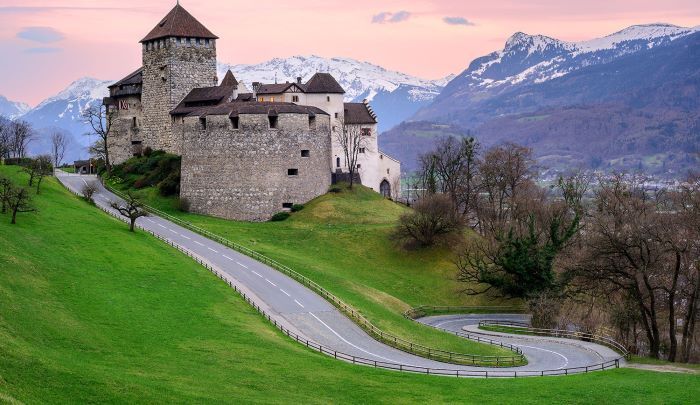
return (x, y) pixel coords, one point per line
(385, 188)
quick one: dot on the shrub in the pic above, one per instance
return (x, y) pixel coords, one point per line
(335, 189)
(88, 190)
(297, 207)
(140, 183)
(170, 185)
(148, 151)
(280, 216)
(434, 219)
(182, 204)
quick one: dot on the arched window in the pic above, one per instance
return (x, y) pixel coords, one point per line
(337, 162)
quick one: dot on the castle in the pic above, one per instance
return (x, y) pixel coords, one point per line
(246, 153)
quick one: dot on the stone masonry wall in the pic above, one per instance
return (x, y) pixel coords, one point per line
(243, 173)
(171, 70)
(123, 131)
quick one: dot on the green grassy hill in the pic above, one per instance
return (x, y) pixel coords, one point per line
(341, 241)
(92, 313)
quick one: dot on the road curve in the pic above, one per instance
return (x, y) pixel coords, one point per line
(304, 312)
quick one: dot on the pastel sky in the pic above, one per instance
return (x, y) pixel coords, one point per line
(47, 44)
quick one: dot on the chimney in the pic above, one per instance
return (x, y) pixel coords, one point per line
(256, 87)
(298, 79)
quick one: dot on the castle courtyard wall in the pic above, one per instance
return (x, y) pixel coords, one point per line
(243, 173)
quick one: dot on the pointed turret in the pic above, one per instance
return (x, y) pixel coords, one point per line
(229, 80)
(179, 23)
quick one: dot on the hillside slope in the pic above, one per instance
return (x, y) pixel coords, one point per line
(92, 313)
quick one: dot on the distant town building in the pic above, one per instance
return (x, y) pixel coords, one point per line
(246, 153)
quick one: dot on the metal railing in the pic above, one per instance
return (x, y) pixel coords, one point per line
(352, 313)
(583, 336)
(362, 360)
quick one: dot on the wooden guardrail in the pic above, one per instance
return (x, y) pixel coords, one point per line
(354, 314)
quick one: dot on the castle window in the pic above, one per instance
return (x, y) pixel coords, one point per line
(292, 172)
(203, 122)
(387, 171)
(305, 153)
(337, 162)
(133, 123)
(381, 156)
(312, 121)
(295, 99)
(206, 43)
(362, 150)
(328, 98)
(336, 115)
(273, 121)
(287, 205)
(367, 131)
(234, 122)
(359, 166)
(333, 128)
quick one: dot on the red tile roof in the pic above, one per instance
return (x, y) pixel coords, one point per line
(179, 23)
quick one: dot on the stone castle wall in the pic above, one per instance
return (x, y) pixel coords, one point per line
(171, 69)
(123, 131)
(243, 173)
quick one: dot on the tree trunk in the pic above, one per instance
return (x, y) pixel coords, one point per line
(38, 185)
(131, 224)
(689, 324)
(673, 342)
(14, 215)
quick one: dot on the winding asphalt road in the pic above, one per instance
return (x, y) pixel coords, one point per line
(309, 315)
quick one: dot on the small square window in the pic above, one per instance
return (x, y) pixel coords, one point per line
(366, 131)
(333, 128)
(133, 123)
(203, 122)
(273, 121)
(287, 205)
(359, 166)
(234, 122)
(336, 115)
(362, 150)
(312, 121)
(292, 172)
(387, 171)
(295, 99)
(305, 153)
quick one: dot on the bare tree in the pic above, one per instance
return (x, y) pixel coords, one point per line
(59, 144)
(100, 120)
(5, 138)
(43, 168)
(351, 139)
(32, 169)
(130, 208)
(641, 245)
(19, 201)
(6, 189)
(21, 133)
(434, 218)
(452, 168)
(88, 190)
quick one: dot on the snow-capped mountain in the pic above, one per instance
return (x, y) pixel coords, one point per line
(627, 101)
(394, 96)
(63, 112)
(12, 109)
(532, 59)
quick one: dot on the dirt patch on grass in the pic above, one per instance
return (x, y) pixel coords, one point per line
(663, 368)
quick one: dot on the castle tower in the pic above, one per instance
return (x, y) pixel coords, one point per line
(179, 54)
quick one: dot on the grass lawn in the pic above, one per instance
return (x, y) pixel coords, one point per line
(341, 241)
(92, 313)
